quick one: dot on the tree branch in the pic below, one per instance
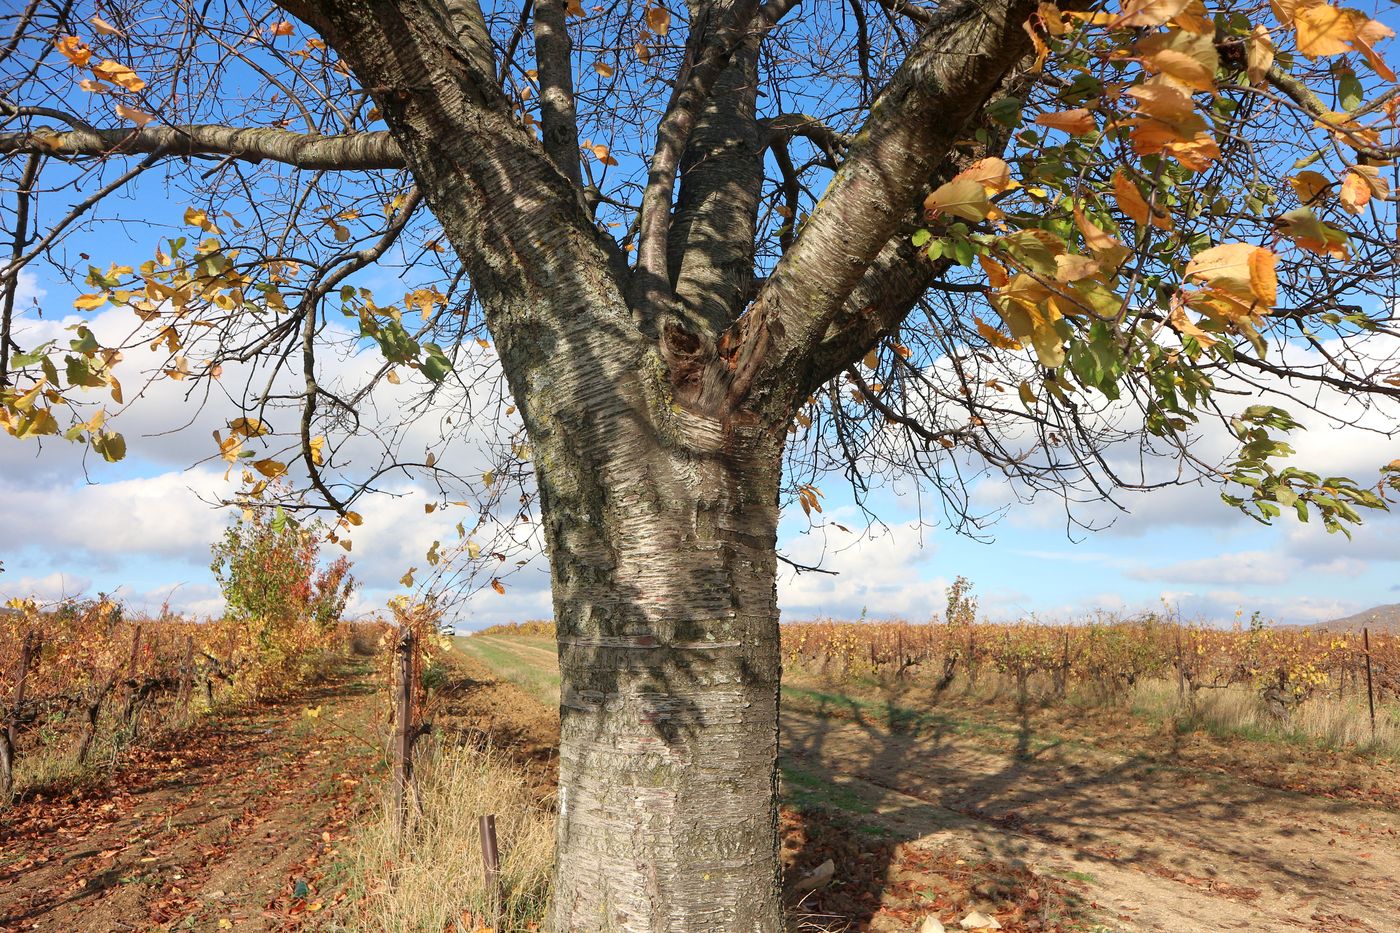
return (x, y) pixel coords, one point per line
(707, 58)
(558, 117)
(952, 71)
(357, 151)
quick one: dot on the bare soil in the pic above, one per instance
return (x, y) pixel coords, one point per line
(1063, 819)
(230, 824)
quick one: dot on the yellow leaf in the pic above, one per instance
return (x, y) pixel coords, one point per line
(270, 468)
(961, 197)
(1188, 59)
(1240, 269)
(1072, 268)
(280, 28)
(195, 217)
(1325, 30)
(1149, 12)
(105, 28)
(88, 302)
(75, 50)
(248, 427)
(603, 69)
(407, 579)
(1052, 19)
(317, 445)
(1194, 18)
(991, 173)
(1259, 54)
(1104, 247)
(473, 549)
(354, 518)
(1309, 186)
(1030, 312)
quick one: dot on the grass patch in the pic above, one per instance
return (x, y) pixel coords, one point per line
(529, 670)
(805, 791)
(430, 881)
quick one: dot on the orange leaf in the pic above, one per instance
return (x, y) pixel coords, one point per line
(139, 117)
(658, 20)
(118, 74)
(1327, 30)
(1132, 203)
(74, 49)
(1076, 122)
(995, 337)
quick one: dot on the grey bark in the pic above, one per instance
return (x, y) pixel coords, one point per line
(357, 151)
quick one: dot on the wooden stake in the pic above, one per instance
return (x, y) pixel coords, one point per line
(491, 860)
(1370, 691)
(406, 730)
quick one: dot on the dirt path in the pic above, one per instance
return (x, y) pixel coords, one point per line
(1162, 849)
(1153, 846)
(226, 825)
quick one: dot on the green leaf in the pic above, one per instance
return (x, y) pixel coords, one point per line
(111, 445)
(435, 363)
(1349, 92)
(36, 355)
(921, 237)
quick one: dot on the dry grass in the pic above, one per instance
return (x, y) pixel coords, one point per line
(432, 880)
(1237, 710)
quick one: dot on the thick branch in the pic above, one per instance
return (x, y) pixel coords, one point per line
(358, 151)
(917, 14)
(953, 70)
(709, 54)
(558, 116)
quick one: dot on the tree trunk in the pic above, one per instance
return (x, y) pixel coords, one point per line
(405, 729)
(664, 593)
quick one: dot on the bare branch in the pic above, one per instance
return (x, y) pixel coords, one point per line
(353, 152)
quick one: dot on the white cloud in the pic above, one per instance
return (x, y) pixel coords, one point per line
(49, 588)
(880, 574)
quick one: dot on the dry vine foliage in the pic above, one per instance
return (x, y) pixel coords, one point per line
(713, 253)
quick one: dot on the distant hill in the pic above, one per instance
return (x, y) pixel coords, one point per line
(1377, 619)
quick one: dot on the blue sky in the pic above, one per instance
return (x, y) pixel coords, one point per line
(143, 527)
